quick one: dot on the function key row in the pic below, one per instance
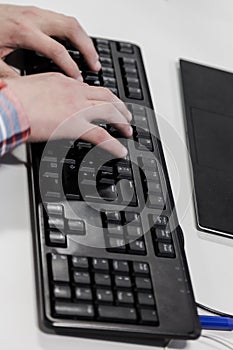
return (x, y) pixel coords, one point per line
(102, 289)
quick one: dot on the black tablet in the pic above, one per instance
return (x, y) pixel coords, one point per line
(208, 100)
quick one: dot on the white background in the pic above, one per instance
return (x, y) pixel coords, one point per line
(166, 30)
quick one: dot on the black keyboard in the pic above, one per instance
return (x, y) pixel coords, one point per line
(109, 252)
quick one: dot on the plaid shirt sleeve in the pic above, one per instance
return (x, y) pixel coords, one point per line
(14, 124)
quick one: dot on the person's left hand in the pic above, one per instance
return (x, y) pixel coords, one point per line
(31, 28)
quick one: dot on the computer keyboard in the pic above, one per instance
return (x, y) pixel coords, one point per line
(109, 254)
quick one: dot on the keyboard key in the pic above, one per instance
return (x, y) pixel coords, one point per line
(60, 269)
(140, 121)
(124, 172)
(108, 71)
(132, 82)
(125, 47)
(113, 216)
(104, 51)
(143, 283)
(51, 185)
(128, 61)
(83, 293)
(148, 163)
(74, 309)
(57, 223)
(117, 245)
(108, 192)
(165, 250)
(57, 238)
(137, 247)
(105, 61)
(146, 299)
(125, 297)
(132, 217)
(102, 42)
(117, 313)
(114, 229)
(134, 231)
(162, 235)
(49, 164)
(82, 277)
(109, 81)
(156, 201)
(75, 55)
(130, 71)
(145, 142)
(100, 264)
(128, 195)
(151, 175)
(139, 110)
(153, 187)
(80, 262)
(160, 220)
(69, 178)
(92, 80)
(140, 267)
(123, 281)
(77, 227)
(54, 209)
(102, 279)
(120, 266)
(104, 295)
(135, 93)
(142, 133)
(62, 292)
(148, 316)
(83, 146)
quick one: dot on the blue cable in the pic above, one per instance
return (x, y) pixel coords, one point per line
(216, 323)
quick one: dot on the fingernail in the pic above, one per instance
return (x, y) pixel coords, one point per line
(130, 130)
(98, 65)
(80, 78)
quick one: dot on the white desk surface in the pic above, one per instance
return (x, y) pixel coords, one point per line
(166, 30)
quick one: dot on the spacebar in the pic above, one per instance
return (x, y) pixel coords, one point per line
(116, 312)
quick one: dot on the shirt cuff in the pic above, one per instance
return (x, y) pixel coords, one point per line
(14, 123)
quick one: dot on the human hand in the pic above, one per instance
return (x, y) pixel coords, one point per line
(53, 101)
(31, 28)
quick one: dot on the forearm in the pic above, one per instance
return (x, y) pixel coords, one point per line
(14, 124)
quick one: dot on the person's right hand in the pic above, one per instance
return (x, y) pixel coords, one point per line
(50, 99)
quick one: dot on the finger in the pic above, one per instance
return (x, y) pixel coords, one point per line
(98, 136)
(54, 50)
(6, 71)
(84, 44)
(104, 94)
(68, 27)
(108, 113)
